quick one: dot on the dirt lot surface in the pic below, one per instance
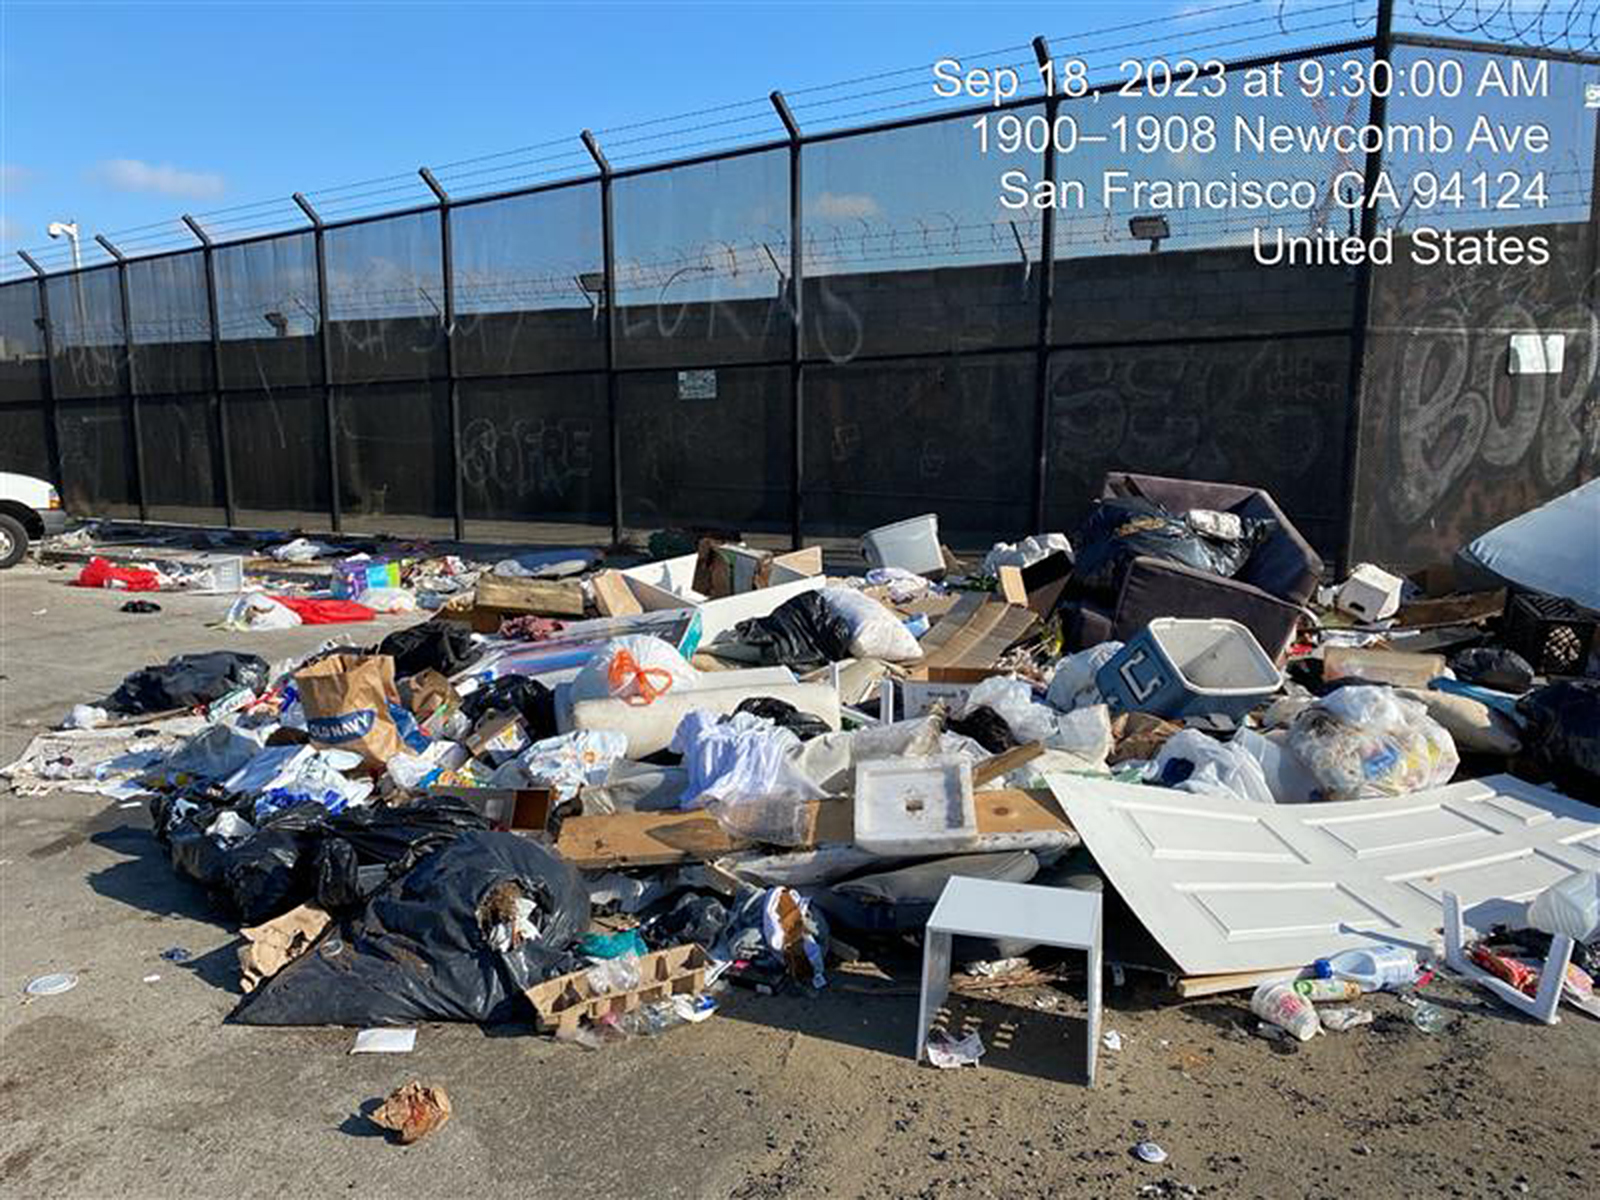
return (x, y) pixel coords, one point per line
(127, 1087)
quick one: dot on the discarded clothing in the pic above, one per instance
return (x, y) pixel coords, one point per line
(187, 681)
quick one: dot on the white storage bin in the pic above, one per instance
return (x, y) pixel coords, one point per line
(915, 806)
(912, 545)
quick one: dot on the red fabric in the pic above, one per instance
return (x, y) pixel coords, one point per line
(326, 612)
(101, 574)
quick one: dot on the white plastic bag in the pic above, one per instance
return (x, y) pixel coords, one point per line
(1363, 743)
(636, 668)
(1024, 553)
(1216, 768)
(1571, 907)
(875, 632)
(1073, 686)
(257, 610)
(389, 600)
(570, 761)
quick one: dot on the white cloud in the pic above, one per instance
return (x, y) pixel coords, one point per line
(14, 178)
(131, 175)
(843, 206)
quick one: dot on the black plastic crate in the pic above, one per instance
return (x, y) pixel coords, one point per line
(1551, 632)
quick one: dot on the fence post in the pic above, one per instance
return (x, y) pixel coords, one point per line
(53, 425)
(230, 515)
(447, 264)
(1377, 117)
(1047, 296)
(797, 371)
(127, 376)
(325, 351)
(609, 251)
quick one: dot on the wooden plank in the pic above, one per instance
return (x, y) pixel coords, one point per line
(1006, 760)
(653, 839)
(1451, 610)
(543, 597)
(1240, 981)
(613, 597)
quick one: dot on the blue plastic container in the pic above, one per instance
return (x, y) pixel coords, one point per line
(1178, 668)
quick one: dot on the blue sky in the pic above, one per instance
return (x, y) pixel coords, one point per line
(119, 115)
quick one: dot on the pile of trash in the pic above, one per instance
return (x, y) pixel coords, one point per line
(594, 797)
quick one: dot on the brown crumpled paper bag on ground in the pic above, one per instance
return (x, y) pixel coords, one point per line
(274, 944)
(414, 1111)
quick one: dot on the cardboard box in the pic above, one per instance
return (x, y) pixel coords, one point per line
(561, 1004)
(1039, 585)
(513, 810)
(431, 698)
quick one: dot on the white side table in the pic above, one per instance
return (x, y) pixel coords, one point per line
(988, 909)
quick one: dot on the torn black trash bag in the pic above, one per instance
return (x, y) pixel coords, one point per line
(1117, 531)
(366, 847)
(432, 645)
(187, 681)
(781, 713)
(528, 698)
(802, 632)
(419, 950)
(269, 872)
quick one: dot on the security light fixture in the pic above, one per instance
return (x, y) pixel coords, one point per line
(68, 230)
(1154, 230)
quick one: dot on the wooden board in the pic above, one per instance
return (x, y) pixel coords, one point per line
(656, 839)
(613, 597)
(543, 597)
(1451, 610)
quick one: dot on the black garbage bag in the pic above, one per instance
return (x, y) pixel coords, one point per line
(270, 872)
(1117, 531)
(986, 727)
(1493, 667)
(802, 632)
(420, 949)
(389, 839)
(181, 828)
(1563, 733)
(531, 700)
(435, 645)
(803, 725)
(692, 918)
(187, 681)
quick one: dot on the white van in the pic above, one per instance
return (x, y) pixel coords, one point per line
(29, 508)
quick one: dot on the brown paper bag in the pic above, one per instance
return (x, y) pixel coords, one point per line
(346, 699)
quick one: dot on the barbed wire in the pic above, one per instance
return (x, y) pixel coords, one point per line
(1571, 25)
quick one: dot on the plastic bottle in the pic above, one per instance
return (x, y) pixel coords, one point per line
(1279, 1004)
(1328, 989)
(1375, 968)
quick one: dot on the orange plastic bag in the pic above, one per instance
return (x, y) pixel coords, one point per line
(648, 682)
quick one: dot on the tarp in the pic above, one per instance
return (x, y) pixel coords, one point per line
(1554, 549)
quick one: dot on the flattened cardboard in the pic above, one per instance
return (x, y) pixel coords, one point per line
(975, 633)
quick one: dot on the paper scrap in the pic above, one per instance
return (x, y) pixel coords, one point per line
(944, 1053)
(385, 1041)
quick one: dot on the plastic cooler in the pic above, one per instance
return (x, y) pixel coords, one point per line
(1177, 667)
(912, 545)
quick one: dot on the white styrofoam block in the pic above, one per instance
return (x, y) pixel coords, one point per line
(1370, 593)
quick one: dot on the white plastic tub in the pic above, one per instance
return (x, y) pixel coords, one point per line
(912, 545)
(915, 806)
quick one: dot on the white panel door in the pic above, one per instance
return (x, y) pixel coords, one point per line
(1228, 885)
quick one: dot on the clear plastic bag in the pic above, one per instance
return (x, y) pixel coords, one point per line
(1571, 907)
(1366, 742)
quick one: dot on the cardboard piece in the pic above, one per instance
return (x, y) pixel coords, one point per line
(512, 810)
(561, 1004)
(786, 568)
(975, 633)
(499, 734)
(1038, 585)
(431, 698)
(498, 598)
(651, 839)
(613, 597)
(274, 944)
(928, 686)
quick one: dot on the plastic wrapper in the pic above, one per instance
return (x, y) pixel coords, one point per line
(254, 610)
(568, 762)
(1366, 742)
(739, 760)
(1073, 686)
(419, 949)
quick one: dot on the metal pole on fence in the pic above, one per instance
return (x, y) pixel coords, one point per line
(447, 263)
(1377, 117)
(325, 352)
(53, 425)
(1047, 296)
(208, 252)
(609, 250)
(797, 378)
(128, 382)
